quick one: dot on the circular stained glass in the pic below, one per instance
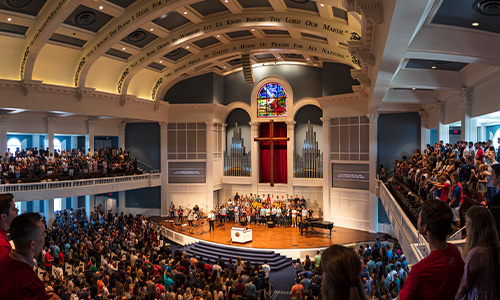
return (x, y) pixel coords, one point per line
(271, 100)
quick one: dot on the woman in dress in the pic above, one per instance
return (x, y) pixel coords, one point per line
(482, 257)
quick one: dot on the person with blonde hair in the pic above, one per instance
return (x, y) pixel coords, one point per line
(481, 276)
(342, 274)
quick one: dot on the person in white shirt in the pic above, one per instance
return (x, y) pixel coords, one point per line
(211, 220)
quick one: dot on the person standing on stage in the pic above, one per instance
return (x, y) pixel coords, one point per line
(310, 212)
(223, 213)
(190, 218)
(294, 217)
(236, 198)
(211, 220)
(180, 211)
(172, 211)
(8, 212)
(236, 213)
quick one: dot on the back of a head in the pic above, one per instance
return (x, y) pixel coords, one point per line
(438, 217)
(24, 228)
(341, 268)
(481, 229)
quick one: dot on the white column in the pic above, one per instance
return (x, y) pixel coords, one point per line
(74, 203)
(209, 201)
(327, 175)
(36, 205)
(3, 135)
(443, 133)
(424, 131)
(24, 207)
(121, 136)
(89, 205)
(164, 170)
(49, 212)
(74, 142)
(122, 208)
(35, 142)
(373, 173)
(89, 138)
(50, 135)
(468, 130)
(255, 156)
(290, 133)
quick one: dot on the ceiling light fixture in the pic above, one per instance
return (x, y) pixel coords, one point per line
(253, 29)
(151, 29)
(433, 67)
(9, 19)
(475, 24)
(226, 1)
(123, 48)
(218, 35)
(187, 47)
(101, 7)
(413, 88)
(185, 12)
(322, 5)
(161, 61)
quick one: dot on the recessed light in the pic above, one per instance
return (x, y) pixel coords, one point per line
(253, 29)
(433, 67)
(226, 1)
(413, 88)
(475, 24)
(218, 35)
(322, 5)
(307, 58)
(9, 19)
(151, 29)
(185, 12)
(101, 7)
(161, 61)
(187, 47)
(123, 48)
(224, 67)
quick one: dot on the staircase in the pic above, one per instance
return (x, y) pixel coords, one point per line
(212, 252)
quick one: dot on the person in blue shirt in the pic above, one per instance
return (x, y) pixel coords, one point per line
(456, 199)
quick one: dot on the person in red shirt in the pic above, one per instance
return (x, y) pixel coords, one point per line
(48, 261)
(17, 278)
(444, 186)
(8, 212)
(159, 287)
(438, 275)
(297, 289)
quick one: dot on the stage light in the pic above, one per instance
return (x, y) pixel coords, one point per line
(475, 24)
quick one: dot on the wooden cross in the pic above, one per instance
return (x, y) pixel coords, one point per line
(271, 138)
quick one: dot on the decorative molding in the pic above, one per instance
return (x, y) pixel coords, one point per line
(290, 125)
(50, 123)
(210, 125)
(343, 97)
(254, 126)
(326, 121)
(122, 126)
(372, 117)
(440, 106)
(163, 126)
(91, 124)
(28, 86)
(3, 119)
(358, 49)
(123, 100)
(361, 76)
(424, 115)
(465, 95)
(369, 9)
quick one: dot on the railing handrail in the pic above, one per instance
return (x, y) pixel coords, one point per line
(35, 186)
(456, 234)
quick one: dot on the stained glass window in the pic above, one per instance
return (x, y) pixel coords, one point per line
(271, 101)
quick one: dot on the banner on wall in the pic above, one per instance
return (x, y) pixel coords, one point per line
(186, 172)
(351, 176)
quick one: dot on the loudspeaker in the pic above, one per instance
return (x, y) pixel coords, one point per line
(270, 224)
(243, 223)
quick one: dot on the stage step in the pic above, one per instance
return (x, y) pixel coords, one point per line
(212, 252)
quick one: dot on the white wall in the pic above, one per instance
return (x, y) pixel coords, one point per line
(350, 208)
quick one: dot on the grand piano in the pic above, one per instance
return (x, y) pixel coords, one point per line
(311, 223)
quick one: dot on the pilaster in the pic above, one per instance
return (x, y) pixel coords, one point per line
(209, 202)
(255, 155)
(164, 170)
(290, 133)
(373, 173)
(50, 136)
(327, 176)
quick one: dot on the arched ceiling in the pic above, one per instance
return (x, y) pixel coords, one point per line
(406, 54)
(142, 47)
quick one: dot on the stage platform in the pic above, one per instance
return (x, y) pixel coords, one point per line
(268, 238)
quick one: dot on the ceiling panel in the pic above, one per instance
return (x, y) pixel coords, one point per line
(87, 18)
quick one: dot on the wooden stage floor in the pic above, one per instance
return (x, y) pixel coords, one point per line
(273, 238)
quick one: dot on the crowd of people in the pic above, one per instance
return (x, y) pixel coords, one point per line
(278, 210)
(40, 164)
(451, 173)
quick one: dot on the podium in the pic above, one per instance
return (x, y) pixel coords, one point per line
(241, 235)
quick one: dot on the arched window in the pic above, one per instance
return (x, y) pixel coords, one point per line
(57, 145)
(13, 144)
(271, 100)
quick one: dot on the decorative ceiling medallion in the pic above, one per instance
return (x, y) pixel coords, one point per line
(487, 7)
(137, 36)
(293, 55)
(173, 53)
(85, 18)
(17, 3)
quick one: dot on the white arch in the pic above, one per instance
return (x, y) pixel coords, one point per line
(236, 105)
(304, 102)
(13, 143)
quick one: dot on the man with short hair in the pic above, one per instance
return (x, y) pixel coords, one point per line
(438, 275)
(490, 189)
(17, 278)
(8, 212)
(495, 181)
